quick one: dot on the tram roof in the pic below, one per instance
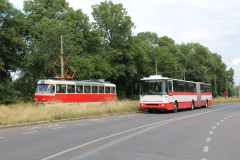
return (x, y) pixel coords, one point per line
(83, 82)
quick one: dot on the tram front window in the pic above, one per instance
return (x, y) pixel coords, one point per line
(45, 88)
(154, 87)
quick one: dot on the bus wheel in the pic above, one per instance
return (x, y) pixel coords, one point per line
(175, 108)
(192, 107)
(150, 111)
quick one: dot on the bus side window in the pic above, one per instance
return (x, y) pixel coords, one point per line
(175, 86)
(186, 86)
(181, 86)
(169, 86)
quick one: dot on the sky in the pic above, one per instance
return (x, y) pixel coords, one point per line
(214, 24)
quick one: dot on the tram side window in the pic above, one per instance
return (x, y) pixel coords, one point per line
(107, 89)
(113, 90)
(61, 88)
(94, 89)
(186, 84)
(87, 89)
(101, 89)
(79, 89)
(70, 88)
(181, 86)
(175, 86)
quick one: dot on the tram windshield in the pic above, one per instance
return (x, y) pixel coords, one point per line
(45, 88)
(154, 87)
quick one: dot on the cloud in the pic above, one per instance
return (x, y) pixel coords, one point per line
(235, 62)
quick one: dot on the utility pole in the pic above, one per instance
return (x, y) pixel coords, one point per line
(156, 67)
(215, 85)
(61, 58)
(184, 73)
(226, 91)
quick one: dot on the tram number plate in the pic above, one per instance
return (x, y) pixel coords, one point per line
(151, 107)
(94, 99)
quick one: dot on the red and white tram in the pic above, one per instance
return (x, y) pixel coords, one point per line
(162, 93)
(52, 90)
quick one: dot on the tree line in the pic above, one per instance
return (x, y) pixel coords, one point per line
(30, 44)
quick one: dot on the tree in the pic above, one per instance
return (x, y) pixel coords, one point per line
(113, 21)
(12, 45)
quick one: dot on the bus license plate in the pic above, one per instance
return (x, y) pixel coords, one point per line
(151, 107)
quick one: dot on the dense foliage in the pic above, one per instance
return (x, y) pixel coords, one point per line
(31, 43)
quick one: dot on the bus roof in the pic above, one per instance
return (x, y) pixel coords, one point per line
(155, 77)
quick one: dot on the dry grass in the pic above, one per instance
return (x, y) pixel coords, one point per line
(25, 113)
(223, 100)
(28, 112)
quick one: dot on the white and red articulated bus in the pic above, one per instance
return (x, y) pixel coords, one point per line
(162, 93)
(52, 90)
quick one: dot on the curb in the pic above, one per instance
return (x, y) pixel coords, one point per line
(62, 120)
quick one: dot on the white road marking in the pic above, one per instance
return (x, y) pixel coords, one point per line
(204, 159)
(211, 132)
(214, 127)
(133, 129)
(34, 128)
(221, 120)
(208, 139)
(226, 118)
(230, 116)
(58, 127)
(1, 137)
(81, 124)
(101, 121)
(217, 123)
(30, 132)
(205, 149)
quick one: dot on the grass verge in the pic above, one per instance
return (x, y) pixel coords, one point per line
(30, 112)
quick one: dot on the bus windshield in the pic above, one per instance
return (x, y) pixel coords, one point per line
(45, 88)
(154, 87)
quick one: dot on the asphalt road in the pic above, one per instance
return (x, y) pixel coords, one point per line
(211, 133)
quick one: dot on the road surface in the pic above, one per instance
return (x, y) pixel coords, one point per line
(211, 133)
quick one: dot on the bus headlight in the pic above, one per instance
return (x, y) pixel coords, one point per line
(43, 99)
